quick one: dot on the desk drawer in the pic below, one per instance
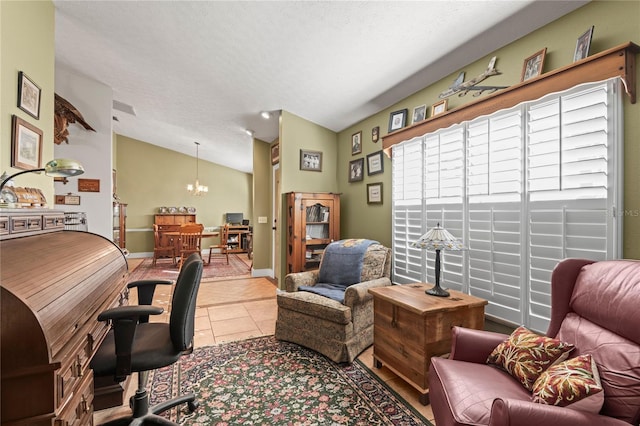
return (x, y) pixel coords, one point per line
(79, 411)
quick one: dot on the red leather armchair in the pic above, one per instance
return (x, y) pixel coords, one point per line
(595, 306)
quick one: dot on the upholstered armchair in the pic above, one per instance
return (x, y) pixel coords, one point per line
(340, 330)
(594, 307)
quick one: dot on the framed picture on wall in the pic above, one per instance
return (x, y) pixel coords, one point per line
(356, 170)
(375, 134)
(419, 114)
(26, 145)
(582, 45)
(375, 164)
(356, 143)
(397, 120)
(28, 96)
(533, 65)
(310, 160)
(275, 153)
(439, 107)
(374, 193)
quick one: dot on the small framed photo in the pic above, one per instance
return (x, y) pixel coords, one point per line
(275, 153)
(419, 114)
(356, 168)
(582, 45)
(375, 134)
(356, 143)
(26, 145)
(375, 164)
(28, 96)
(310, 160)
(397, 120)
(374, 193)
(533, 65)
(439, 107)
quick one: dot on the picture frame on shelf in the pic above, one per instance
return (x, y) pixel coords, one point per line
(397, 120)
(419, 114)
(26, 145)
(375, 163)
(375, 134)
(311, 160)
(374, 193)
(28, 95)
(533, 65)
(356, 143)
(439, 107)
(583, 44)
(275, 154)
(356, 170)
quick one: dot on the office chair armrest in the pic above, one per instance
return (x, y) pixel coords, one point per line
(129, 312)
(146, 288)
(125, 320)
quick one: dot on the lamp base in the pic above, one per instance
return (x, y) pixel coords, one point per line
(437, 291)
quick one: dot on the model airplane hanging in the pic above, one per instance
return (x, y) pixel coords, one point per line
(462, 88)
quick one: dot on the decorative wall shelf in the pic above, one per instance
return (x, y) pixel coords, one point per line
(616, 62)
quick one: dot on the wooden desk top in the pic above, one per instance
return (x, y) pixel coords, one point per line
(413, 298)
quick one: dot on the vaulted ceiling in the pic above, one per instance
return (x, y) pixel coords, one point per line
(205, 70)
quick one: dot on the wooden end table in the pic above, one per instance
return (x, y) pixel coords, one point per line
(410, 327)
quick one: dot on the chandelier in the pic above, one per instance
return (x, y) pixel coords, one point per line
(196, 188)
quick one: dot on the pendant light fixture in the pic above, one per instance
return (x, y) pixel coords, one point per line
(197, 189)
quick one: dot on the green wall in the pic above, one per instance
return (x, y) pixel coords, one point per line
(27, 44)
(615, 22)
(262, 205)
(149, 177)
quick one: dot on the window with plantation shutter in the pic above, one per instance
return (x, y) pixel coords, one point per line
(524, 188)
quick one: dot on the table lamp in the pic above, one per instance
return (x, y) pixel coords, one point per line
(438, 239)
(60, 167)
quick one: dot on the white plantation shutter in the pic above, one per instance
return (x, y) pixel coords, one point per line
(524, 188)
(407, 209)
(444, 196)
(573, 141)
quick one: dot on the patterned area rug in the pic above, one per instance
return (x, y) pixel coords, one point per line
(217, 269)
(264, 381)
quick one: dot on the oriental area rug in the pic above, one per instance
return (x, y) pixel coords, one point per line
(217, 269)
(264, 381)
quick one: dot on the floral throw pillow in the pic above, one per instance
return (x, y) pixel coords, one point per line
(574, 383)
(526, 355)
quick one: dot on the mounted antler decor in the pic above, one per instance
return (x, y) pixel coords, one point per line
(66, 113)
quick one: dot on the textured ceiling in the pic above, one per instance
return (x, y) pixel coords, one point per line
(204, 70)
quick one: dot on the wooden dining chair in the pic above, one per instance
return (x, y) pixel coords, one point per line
(162, 248)
(190, 240)
(223, 247)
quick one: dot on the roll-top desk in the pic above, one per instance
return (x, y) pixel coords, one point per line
(53, 285)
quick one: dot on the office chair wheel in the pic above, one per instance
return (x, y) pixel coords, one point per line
(192, 406)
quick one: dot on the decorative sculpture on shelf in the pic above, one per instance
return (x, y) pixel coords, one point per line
(66, 113)
(462, 87)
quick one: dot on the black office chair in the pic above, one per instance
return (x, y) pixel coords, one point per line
(136, 345)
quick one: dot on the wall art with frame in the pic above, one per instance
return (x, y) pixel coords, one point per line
(310, 160)
(582, 45)
(439, 107)
(533, 65)
(356, 143)
(397, 120)
(419, 114)
(356, 170)
(26, 145)
(375, 134)
(28, 95)
(375, 164)
(374, 193)
(275, 153)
